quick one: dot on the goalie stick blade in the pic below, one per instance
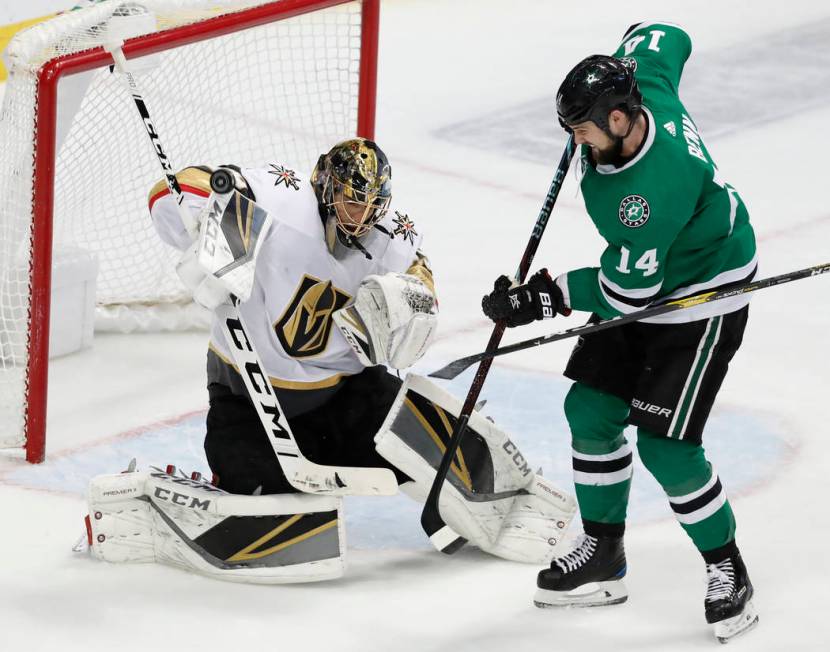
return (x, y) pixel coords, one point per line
(344, 480)
(441, 535)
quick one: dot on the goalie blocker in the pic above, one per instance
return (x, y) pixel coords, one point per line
(492, 497)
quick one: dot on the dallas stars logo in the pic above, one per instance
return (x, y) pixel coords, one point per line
(634, 211)
(404, 227)
(285, 176)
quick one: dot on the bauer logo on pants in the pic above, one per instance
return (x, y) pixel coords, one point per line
(634, 211)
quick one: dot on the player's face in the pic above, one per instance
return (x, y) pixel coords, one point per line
(356, 217)
(601, 144)
(350, 214)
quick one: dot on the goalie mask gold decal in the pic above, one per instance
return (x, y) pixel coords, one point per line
(305, 326)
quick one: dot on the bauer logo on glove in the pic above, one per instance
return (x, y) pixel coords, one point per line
(539, 298)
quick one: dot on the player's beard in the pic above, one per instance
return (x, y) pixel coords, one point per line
(611, 155)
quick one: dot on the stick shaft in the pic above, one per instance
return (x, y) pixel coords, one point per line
(456, 367)
(441, 536)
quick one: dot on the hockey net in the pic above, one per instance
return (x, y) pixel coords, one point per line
(226, 81)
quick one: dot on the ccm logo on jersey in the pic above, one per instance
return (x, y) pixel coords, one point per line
(649, 407)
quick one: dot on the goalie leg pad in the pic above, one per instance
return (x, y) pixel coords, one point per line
(273, 539)
(535, 526)
(491, 496)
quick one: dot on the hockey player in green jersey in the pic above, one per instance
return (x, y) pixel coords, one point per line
(674, 227)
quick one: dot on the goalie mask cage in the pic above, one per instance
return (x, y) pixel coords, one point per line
(226, 81)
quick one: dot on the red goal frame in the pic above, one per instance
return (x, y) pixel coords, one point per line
(44, 164)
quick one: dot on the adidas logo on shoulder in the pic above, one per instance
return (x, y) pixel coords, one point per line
(669, 126)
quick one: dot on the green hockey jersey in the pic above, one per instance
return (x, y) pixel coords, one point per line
(673, 225)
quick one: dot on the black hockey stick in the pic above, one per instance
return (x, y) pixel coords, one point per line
(440, 534)
(456, 367)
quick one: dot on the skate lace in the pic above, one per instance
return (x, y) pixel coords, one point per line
(585, 548)
(721, 578)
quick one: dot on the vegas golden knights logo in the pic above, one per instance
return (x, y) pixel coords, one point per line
(305, 326)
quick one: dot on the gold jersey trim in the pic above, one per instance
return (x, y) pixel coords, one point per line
(197, 178)
(281, 383)
(421, 270)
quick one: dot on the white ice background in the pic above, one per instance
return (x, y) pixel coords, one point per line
(465, 113)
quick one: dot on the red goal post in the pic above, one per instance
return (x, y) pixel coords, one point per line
(317, 85)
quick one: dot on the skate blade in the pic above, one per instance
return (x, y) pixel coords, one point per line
(730, 628)
(593, 594)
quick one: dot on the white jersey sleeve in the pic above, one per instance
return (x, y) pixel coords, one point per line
(195, 186)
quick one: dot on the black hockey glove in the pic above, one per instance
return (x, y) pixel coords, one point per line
(539, 298)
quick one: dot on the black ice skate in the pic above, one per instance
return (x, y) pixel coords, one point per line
(588, 576)
(729, 599)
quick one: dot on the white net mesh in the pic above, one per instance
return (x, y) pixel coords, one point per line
(283, 91)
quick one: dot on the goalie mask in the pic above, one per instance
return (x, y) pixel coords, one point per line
(353, 183)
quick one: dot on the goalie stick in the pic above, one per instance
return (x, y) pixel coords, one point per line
(303, 474)
(456, 367)
(440, 534)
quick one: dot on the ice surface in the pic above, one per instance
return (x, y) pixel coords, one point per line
(465, 113)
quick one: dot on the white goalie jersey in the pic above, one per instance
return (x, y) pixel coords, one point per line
(298, 283)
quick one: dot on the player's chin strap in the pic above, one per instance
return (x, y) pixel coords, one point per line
(231, 263)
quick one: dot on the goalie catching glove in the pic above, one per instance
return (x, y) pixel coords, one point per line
(392, 320)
